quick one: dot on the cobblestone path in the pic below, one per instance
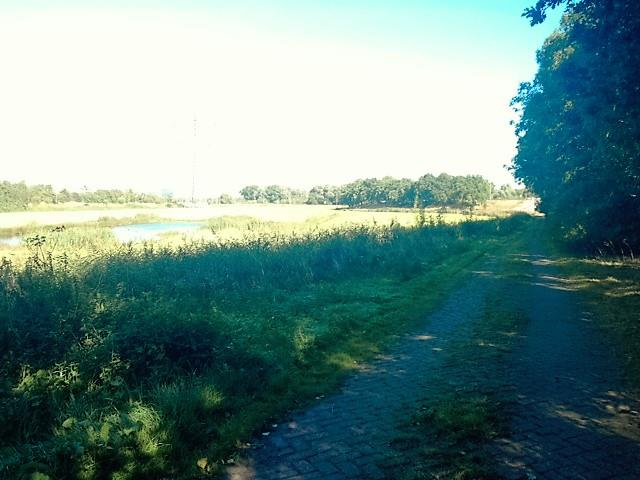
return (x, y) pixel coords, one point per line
(570, 418)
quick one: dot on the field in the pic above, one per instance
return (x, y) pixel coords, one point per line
(162, 358)
(77, 213)
(88, 231)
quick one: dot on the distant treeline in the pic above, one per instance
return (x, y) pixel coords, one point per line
(20, 196)
(444, 190)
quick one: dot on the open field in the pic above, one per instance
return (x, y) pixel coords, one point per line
(262, 212)
(90, 231)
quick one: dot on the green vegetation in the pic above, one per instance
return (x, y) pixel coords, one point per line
(19, 196)
(428, 191)
(443, 191)
(578, 136)
(86, 229)
(445, 438)
(86, 237)
(141, 362)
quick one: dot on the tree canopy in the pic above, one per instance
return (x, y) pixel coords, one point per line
(443, 191)
(579, 134)
(20, 196)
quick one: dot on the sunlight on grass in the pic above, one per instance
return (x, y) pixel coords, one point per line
(139, 360)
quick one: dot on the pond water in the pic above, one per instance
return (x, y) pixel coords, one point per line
(151, 231)
(11, 241)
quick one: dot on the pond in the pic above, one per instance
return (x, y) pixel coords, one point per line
(11, 241)
(152, 231)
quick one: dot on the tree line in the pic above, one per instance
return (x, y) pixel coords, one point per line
(20, 196)
(438, 191)
(578, 133)
(443, 191)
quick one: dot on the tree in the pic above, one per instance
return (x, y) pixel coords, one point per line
(578, 133)
(251, 193)
(322, 195)
(225, 199)
(276, 194)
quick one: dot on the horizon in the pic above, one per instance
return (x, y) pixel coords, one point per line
(293, 94)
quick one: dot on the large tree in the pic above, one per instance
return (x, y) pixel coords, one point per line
(579, 130)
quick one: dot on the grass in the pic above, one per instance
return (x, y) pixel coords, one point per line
(445, 438)
(142, 360)
(21, 222)
(45, 227)
(89, 230)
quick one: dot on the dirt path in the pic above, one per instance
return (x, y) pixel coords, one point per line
(570, 417)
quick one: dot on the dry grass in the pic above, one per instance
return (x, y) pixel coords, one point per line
(263, 212)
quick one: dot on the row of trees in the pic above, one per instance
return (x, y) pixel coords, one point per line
(579, 134)
(273, 194)
(19, 196)
(429, 190)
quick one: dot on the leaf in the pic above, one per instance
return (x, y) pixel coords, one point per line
(202, 463)
(105, 430)
(69, 422)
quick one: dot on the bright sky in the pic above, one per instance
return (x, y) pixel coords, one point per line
(293, 92)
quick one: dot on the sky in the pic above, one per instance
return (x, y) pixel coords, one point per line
(150, 94)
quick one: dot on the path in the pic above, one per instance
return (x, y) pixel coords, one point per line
(570, 418)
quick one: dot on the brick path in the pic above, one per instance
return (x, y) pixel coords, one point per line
(570, 418)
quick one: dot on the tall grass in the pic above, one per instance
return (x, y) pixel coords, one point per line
(147, 360)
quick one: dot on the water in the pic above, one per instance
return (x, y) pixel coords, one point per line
(151, 231)
(11, 241)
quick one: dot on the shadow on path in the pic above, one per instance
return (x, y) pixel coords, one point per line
(570, 417)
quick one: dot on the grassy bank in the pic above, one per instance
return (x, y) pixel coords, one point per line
(145, 361)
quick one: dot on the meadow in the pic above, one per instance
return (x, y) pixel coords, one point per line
(161, 359)
(87, 231)
(88, 228)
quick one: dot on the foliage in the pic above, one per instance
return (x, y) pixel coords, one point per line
(323, 195)
(578, 135)
(19, 196)
(139, 361)
(443, 190)
(273, 194)
(225, 199)
(507, 192)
